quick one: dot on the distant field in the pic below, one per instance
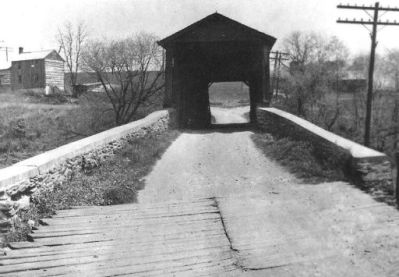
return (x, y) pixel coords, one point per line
(229, 94)
(33, 123)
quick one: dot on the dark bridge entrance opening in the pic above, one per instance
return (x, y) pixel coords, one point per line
(229, 103)
(212, 50)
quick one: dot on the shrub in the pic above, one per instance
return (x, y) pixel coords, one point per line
(57, 97)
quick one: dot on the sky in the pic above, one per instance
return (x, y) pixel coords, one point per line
(33, 24)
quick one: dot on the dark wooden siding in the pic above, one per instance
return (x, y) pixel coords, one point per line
(27, 74)
(54, 70)
(5, 77)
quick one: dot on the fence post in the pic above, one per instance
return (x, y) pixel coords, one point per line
(397, 178)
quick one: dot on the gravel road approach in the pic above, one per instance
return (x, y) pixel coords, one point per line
(277, 225)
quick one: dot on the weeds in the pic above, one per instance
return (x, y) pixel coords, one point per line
(300, 157)
(56, 98)
(30, 126)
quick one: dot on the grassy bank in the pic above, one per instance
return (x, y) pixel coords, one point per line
(31, 123)
(303, 160)
(299, 157)
(116, 182)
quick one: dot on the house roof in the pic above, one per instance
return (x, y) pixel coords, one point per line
(5, 65)
(217, 27)
(37, 55)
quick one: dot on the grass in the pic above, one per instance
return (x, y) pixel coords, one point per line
(299, 157)
(27, 129)
(31, 123)
(351, 116)
(115, 182)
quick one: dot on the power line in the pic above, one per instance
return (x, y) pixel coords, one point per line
(375, 22)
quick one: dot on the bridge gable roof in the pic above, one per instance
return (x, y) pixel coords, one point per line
(217, 28)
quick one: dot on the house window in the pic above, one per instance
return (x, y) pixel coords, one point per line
(20, 79)
(19, 65)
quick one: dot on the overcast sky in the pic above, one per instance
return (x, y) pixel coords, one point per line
(33, 23)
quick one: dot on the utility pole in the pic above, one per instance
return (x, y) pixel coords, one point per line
(6, 49)
(278, 58)
(375, 22)
(274, 79)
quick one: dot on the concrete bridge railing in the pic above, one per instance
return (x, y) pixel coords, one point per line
(367, 167)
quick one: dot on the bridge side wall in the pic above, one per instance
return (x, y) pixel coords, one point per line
(18, 181)
(368, 168)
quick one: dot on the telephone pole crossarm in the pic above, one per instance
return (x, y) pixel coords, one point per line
(370, 8)
(387, 23)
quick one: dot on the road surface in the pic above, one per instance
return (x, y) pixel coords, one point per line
(214, 205)
(230, 115)
(276, 224)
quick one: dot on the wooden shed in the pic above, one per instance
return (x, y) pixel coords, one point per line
(214, 49)
(31, 70)
(5, 74)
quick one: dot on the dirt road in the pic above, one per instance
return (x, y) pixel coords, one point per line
(276, 225)
(230, 115)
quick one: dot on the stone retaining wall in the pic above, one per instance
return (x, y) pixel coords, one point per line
(20, 180)
(365, 166)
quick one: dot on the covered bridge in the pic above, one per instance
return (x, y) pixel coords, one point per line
(214, 49)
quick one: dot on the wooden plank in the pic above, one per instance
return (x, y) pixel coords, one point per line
(117, 260)
(211, 241)
(27, 245)
(92, 249)
(158, 270)
(111, 220)
(132, 236)
(45, 232)
(138, 224)
(137, 214)
(133, 208)
(128, 216)
(158, 252)
(135, 225)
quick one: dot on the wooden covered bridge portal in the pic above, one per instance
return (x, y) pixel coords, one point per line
(214, 49)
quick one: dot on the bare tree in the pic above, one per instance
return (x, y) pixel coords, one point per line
(314, 74)
(130, 71)
(71, 40)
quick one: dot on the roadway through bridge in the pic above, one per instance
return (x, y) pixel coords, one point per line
(214, 205)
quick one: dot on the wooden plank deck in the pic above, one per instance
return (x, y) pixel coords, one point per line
(169, 238)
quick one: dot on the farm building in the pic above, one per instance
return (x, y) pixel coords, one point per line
(5, 74)
(31, 70)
